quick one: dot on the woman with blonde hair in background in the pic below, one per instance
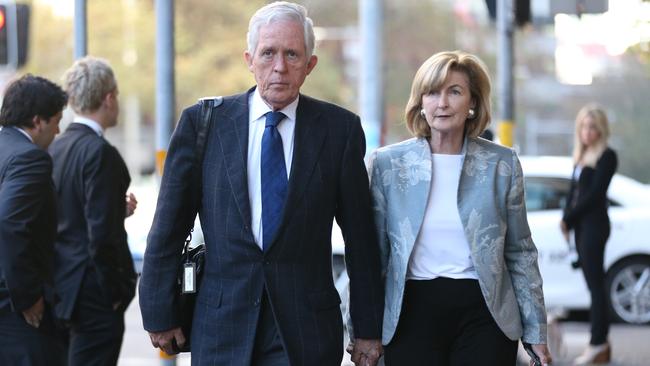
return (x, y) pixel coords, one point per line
(586, 214)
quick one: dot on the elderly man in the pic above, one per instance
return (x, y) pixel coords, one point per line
(30, 115)
(278, 167)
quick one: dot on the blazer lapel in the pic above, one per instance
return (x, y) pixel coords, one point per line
(231, 127)
(415, 196)
(309, 137)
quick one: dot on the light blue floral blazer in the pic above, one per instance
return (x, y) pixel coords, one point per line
(493, 212)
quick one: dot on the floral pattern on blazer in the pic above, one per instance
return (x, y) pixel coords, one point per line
(492, 209)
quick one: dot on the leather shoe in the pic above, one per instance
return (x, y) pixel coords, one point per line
(594, 354)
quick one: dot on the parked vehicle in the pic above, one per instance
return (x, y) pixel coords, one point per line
(627, 254)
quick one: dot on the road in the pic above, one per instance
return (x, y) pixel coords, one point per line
(630, 345)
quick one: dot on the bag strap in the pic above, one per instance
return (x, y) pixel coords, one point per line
(207, 104)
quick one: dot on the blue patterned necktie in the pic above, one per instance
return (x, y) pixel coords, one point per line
(274, 178)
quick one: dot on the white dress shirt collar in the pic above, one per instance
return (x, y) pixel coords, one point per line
(23, 132)
(90, 123)
(259, 108)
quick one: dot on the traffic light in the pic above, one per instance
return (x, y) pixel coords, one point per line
(522, 10)
(14, 36)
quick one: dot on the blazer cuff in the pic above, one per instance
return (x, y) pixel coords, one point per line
(535, 334)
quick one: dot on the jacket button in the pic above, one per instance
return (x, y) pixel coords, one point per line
(256, 302)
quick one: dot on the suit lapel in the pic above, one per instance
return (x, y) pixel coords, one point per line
(231, 130)
(309, 137)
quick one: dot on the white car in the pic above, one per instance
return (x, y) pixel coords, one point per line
(627, 253)
(627, 256)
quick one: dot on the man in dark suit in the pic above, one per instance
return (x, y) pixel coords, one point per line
(94, 268)
(271, 186)
(30, 115)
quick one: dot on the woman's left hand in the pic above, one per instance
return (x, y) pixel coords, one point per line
(541, 350)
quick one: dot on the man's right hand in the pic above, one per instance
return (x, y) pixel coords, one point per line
(34, 314)
(167, 340)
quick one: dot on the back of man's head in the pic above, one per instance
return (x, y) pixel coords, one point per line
(87, 83)
(31, 96)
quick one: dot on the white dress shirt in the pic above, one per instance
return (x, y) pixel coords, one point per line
(257, 119)
(441, 248)
(23, 132)
(90, 123)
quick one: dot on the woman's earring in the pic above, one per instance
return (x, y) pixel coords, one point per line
(422, 113)
(471, 113)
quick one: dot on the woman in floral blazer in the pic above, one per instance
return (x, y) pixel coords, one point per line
(460, 267)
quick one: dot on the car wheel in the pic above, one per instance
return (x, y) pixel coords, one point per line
(628, 284)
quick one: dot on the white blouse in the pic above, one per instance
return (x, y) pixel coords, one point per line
(441, 248)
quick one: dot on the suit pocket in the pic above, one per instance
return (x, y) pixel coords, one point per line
(324, 300)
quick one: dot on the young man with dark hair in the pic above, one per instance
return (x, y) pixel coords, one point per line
(29, 117)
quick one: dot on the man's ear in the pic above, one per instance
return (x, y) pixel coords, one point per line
(109, 99)
(249, 60)
(313, 60)
(36, 123)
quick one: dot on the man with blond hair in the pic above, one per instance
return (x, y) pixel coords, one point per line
(94, 268)
(279, 166)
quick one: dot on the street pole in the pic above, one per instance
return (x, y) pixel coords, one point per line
(165, 101)
(370, 65)
(80, 29)
(505, 64)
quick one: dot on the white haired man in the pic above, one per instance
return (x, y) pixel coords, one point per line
(278, 167)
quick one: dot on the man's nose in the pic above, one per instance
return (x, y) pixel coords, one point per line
(279, 64)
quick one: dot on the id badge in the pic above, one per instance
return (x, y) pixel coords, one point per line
(189, 278)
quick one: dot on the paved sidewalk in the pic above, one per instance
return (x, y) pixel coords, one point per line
(630, 344)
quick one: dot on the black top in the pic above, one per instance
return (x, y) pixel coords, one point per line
(588, 195)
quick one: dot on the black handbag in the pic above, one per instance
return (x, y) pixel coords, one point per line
(193, 258)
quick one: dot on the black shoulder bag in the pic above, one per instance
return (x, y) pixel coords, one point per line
(190, 271)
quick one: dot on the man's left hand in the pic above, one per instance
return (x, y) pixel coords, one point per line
(366, 352)
(131, 204)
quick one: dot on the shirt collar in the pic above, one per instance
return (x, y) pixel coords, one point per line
(23, 132)
(90, 123)
(258, 107)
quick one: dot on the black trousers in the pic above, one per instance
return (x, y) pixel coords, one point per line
(24, 345)
(590, 244)
(96, 331)
(446, 322)
(268, 349)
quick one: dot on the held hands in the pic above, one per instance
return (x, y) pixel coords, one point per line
(365, 352)
(170, 341)
(541, 350)
(131, 204)
(34, 314)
